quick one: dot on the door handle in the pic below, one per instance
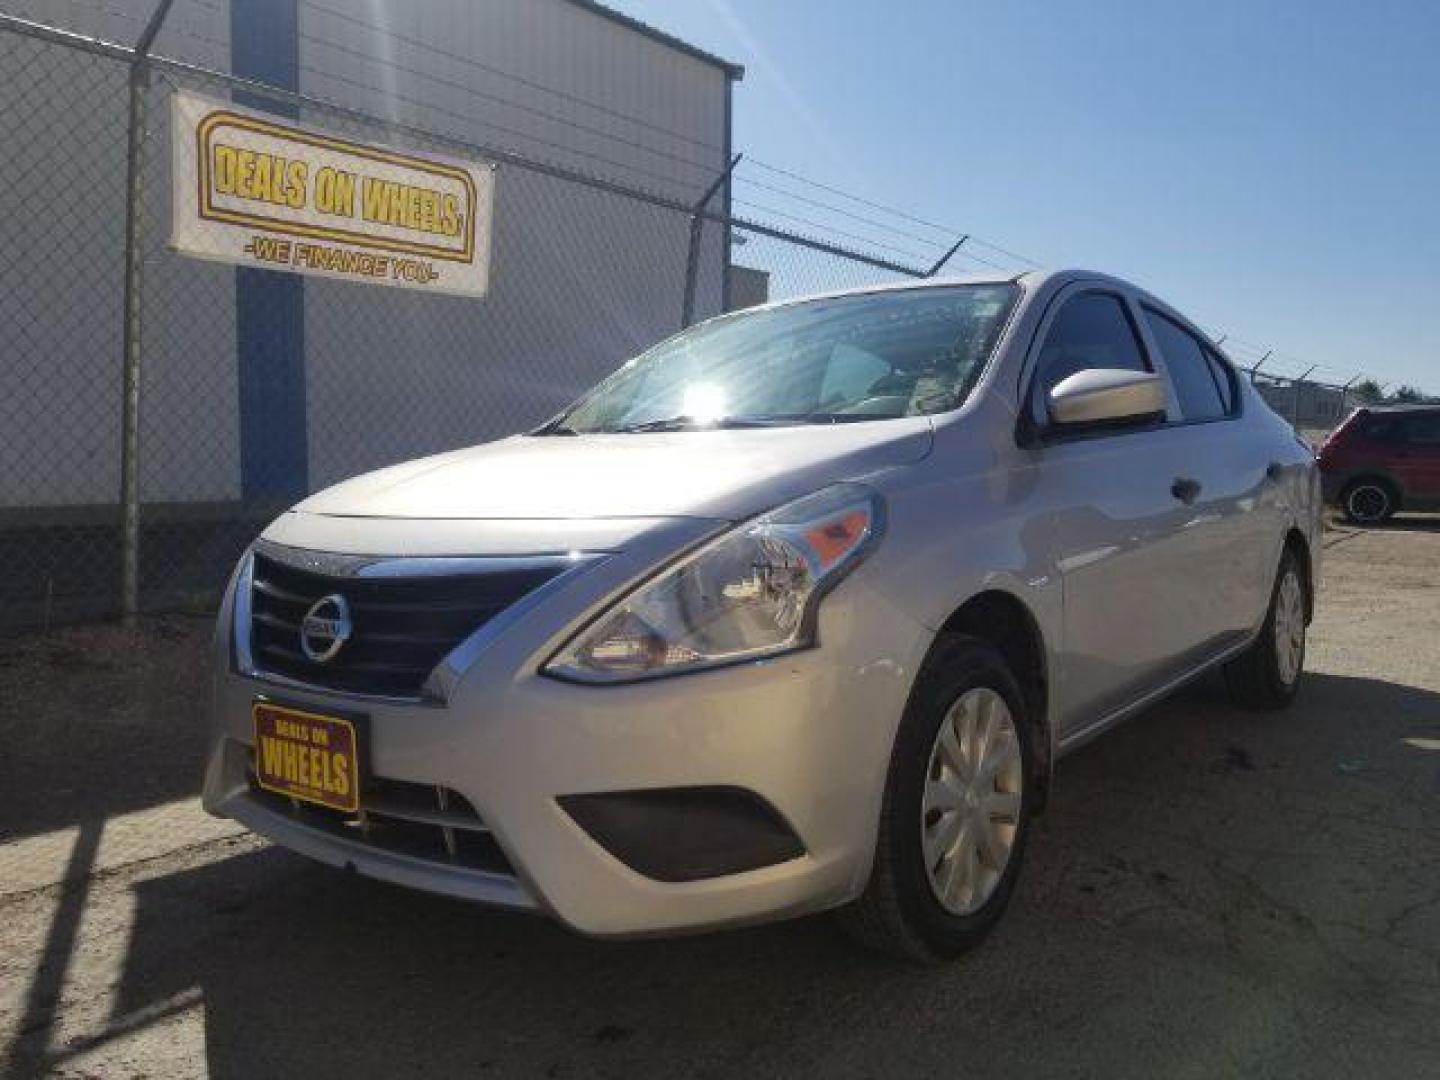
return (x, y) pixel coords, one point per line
(1186, 489)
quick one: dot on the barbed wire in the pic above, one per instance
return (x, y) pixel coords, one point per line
(1277, 361)
(831, 230)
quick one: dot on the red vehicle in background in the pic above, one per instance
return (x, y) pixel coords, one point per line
(1381, 460)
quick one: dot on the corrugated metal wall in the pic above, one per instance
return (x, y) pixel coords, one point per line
(580, 279)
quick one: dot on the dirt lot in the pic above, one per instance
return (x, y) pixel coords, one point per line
(1213, 893)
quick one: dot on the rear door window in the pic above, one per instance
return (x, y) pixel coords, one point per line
(1379, 428)
(1191, 372)
(1423, 430)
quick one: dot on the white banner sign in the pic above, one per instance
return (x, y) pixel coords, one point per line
(258, 190)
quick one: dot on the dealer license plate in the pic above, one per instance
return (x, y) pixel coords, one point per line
(307, 756)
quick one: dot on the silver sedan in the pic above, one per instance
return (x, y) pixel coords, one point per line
(796, 611)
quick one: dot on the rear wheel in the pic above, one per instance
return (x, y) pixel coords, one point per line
(1267, 674)
(1368, 501)
(957, 810)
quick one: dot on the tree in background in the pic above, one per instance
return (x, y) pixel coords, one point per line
(1407, 395)
(1367, 390)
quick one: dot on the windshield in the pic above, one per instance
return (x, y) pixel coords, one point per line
(873, 356)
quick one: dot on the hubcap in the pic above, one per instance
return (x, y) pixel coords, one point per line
(1289, 627)
(971, 807)
(1368, 503)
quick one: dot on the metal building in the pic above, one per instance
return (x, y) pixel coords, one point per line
(259, 386)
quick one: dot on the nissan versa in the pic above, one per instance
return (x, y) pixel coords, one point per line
(795, 611)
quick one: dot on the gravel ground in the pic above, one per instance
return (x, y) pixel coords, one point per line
(1212, 893)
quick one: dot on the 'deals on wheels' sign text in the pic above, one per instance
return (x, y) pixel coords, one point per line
(258, 190)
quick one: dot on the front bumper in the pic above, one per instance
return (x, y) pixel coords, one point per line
(809, 734)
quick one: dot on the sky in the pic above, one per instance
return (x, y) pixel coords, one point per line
(1270, 167)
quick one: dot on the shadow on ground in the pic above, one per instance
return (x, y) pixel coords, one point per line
(101, 720)
(1213, 892)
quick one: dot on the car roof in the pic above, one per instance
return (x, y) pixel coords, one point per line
(1035, 280)
(1403, 407)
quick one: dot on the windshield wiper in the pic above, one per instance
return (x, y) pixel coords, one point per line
(842, 418)
(788, 419)
(724, 423)
(690, 423)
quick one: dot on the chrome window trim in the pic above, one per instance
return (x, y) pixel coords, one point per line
(447, 673)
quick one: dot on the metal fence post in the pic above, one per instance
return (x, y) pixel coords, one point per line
(939, 263)
(1258, 365)
(1299, 386)
(1345, 396)
(134, 269)
(692, 255)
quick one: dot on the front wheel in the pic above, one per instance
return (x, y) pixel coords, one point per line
(1266, 675)
(957, 809)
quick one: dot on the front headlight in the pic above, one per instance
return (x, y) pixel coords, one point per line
(750, 593)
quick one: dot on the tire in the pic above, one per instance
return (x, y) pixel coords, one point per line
(1261, 677)
(902, 912)
(1368, 501)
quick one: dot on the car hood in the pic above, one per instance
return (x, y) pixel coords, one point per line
(718, 474)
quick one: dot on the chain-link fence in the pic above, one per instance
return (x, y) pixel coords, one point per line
(249, 388)
(62, 286)
(1314, 409)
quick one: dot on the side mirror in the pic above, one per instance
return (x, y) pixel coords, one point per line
(1106, 395)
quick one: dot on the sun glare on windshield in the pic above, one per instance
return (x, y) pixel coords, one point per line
(843, 359)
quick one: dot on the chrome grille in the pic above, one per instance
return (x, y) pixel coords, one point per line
(403, 626)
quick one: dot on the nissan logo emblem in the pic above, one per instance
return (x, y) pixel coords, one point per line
(325, 628)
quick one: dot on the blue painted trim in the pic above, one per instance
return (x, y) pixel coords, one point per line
(269, 305)
(727, 238)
